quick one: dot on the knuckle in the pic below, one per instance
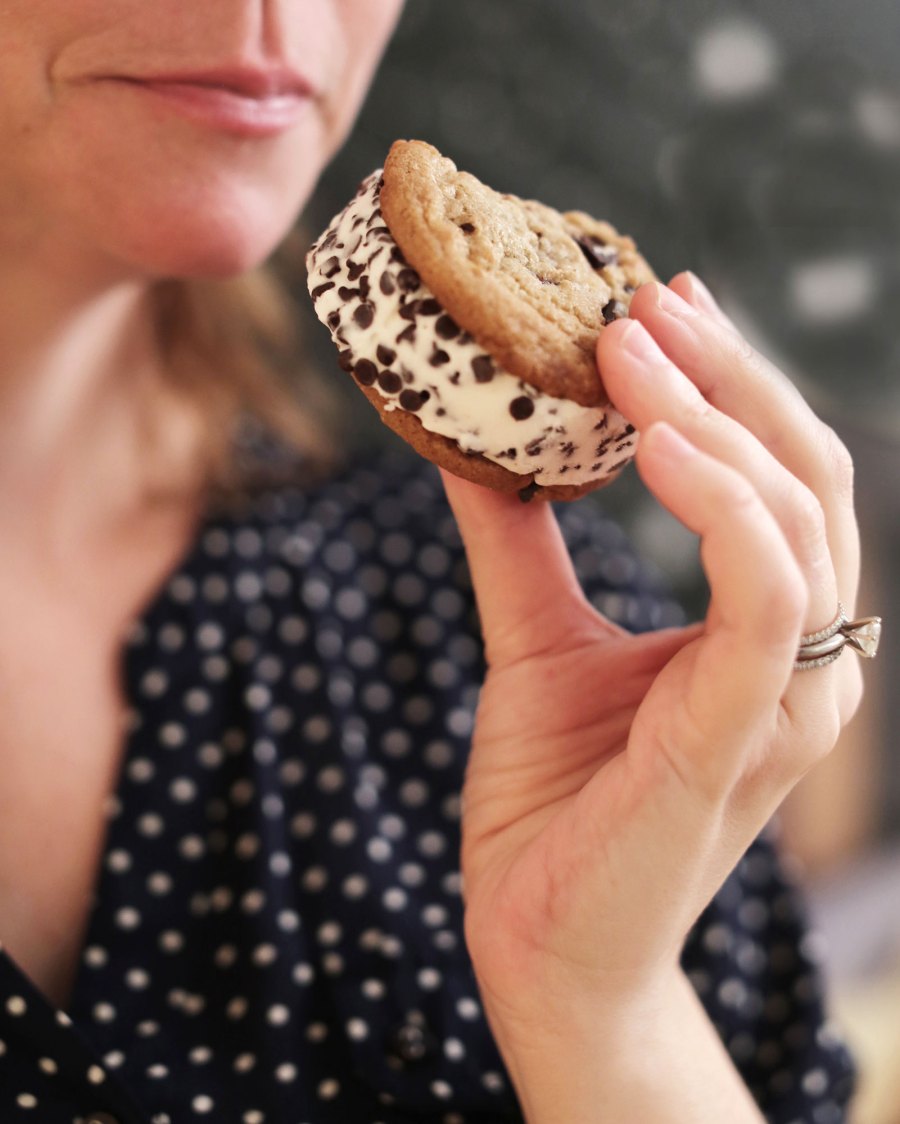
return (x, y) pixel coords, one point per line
(808, 526)
(839, 464)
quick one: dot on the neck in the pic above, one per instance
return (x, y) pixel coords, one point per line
(80, 383)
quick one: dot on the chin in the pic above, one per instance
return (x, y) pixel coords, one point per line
(214, 239)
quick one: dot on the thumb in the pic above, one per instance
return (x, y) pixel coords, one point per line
(529, 597)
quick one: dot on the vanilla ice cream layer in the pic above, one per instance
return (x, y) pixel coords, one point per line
(394, 335)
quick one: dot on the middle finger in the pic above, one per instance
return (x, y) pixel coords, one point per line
(647, 387)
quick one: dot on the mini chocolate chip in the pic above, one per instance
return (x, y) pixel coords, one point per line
(397, 255)
(320, 289)
(628, 430)
(364, 287)
(410, 310)
(386, 284)
(483, 368)
(430, 307)
(357, 221)
(385, 355)
(345, 360)
(521, 408)
(603, 422)
(440, 411)
(364, 315)
(329, 240)
(467, 227)
(454, 378)
(382, 233)
(629, 288)
(598, 253)
(535, 447)
(365, 372)
(408, 335)
(567, 448)
(613, 310)
(596, 467)
(408, 280)
(439, 358)
(390, 382)
(413, 399)
(334, 320)
(331, 267)
(446, 327)
(355, 270)
(347, 294)
(527, 493)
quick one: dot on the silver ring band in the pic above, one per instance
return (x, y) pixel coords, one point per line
(817, 649)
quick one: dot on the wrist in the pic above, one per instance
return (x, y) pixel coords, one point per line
(656, 1057)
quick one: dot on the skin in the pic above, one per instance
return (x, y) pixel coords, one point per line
(582, 808)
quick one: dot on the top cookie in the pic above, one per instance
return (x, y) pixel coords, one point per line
(532, 285)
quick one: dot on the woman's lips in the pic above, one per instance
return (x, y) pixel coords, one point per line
(246, 105)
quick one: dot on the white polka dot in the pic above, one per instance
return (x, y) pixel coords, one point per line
(200, 1055)
(286, 1072)
(302, 973)
(237, 1007)
(26, 1100)
(288, 920)
(127, 918)
(454, 1049)
(95, 1075)
(202, 1104)
(159, 883)
(264, 954)
(95, 956)
(243, 1063)
(48, 1065)
(278, 1014)
(357, 1029)
(441, 1089)
(103, 1012)
(328, 1089)
(171, 941)
(467, 1008)
(150, 824)
(373, 989)
(119, 861)
(157, 1071)
(254, 1116)
(16, 1005)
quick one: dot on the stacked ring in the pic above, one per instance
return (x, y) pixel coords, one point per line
(823, 647)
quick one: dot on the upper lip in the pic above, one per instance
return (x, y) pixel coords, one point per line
(259, 82)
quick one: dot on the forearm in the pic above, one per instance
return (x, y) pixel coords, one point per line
(665, 1065)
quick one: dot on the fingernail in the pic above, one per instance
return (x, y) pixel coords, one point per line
(671, 302)
(638, 342)
(702, 295)
(666, 442)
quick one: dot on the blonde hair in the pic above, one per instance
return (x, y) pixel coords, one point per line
(232, 354)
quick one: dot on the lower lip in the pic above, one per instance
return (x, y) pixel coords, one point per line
(227, 110)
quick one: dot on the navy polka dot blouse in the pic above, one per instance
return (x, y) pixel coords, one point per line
(277, 931)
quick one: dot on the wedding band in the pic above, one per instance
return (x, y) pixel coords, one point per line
(823, 647)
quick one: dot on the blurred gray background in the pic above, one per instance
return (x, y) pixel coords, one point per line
(758, 144)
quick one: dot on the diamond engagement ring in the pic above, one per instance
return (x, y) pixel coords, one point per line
(823, 647)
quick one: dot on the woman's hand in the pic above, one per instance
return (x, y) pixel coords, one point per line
(615, 781)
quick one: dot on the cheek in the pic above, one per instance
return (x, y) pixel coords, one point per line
(175, 199)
